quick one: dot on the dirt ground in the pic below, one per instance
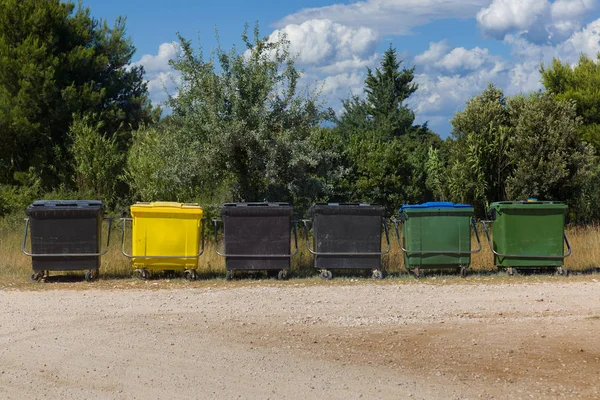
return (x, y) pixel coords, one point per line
(295, 340)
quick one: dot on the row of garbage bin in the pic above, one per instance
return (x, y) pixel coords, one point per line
(67, 235)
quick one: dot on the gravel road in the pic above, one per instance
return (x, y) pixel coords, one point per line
(297, 340)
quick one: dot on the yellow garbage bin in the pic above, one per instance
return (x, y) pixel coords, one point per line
(165, 236)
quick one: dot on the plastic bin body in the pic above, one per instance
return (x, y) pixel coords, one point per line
(528, 228)
(166, 229)
(65, 227)
(347, 228)
(437, 226)
(257, 229)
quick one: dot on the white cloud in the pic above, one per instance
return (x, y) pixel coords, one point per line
(322, 41)
(586, 41)
(160, 62)
(342, 85)
(162, 79)
(504, 16)
(442, 58)
(353, 64)
(435, 53)
(539, 21)
(395, 17)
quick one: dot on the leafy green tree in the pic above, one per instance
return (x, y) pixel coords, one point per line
(97, 161)
(549, 159)
(56, 60)
(251, 128)
(478, 161)
(581, 84)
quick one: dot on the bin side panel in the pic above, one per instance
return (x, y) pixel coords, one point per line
(529, 231)
(66, 232)
(165, 234)
(347, 234)
(437, 231)
(257, 232)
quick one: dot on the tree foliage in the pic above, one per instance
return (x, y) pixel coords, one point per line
(580, 84)
(249, 124)
(385, 153)
(515, 148)
(56, 60)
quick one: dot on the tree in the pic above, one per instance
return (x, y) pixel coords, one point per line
(56, 60)
(386, 90)
(249, 123)
(478, 161)
(549, 160)
(517, 147)
(581, 84)
(384, 153)
(97, 161)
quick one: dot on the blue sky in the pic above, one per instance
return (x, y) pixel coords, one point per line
(458, 46)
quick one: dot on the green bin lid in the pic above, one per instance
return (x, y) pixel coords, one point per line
(525, 204)
(434, 205)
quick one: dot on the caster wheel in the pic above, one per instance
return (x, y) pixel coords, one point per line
(143, 274)
(90, 276)
(510, 271)
(229, 275)
(562, 271)
(36, 276)
(326, 275)
(463, 272)
(417, 273)
(282, 275)
(377, 274)
(190, 275)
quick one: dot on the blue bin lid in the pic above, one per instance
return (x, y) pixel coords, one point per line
(434, 204)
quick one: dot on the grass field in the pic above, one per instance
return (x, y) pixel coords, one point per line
(15, 267)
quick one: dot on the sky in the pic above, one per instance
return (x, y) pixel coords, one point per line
(457, 46)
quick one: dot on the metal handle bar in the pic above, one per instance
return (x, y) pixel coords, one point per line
(546, 257)
(201, 245)
(216, 221)
(359, 254)
(23, 245)
(395, 221)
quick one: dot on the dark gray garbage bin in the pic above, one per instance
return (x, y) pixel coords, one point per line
(347, 236)
(65, 236)
(257, 237)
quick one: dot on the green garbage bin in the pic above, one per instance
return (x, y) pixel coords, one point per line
(528, 235)
(436, 235)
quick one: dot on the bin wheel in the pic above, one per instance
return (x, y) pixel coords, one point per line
(36, 276)
(325, 275)
(463, 272)
(417, 273)
(562, 271)
(377, 274)
(229, 275)
(510, 271)
(190, 274)
(90, 276)
(282, 275)
(142, 273)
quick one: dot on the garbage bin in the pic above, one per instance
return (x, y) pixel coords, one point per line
(347, 236)
(436, 235)
(65, 236)
(165, 236)
(528, 235)
(257, 237)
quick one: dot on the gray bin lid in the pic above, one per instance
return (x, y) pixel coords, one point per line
(364, 209)
(257, 209)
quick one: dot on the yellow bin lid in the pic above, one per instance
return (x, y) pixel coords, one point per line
(166, 207)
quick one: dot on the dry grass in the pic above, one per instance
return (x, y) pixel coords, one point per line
(15, 267)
